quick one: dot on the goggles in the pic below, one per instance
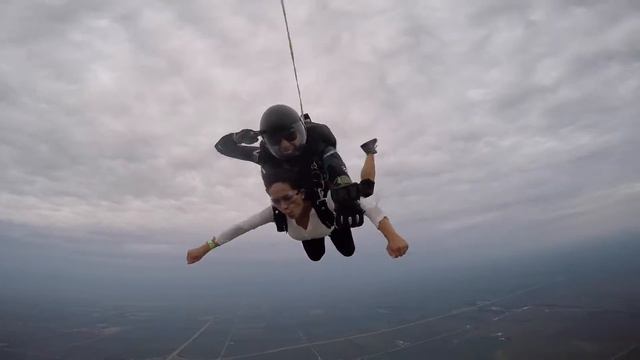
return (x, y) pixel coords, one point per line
(275, 138)
(285, 199)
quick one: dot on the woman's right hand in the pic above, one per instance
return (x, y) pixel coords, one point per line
(194, 255)
(397, 247)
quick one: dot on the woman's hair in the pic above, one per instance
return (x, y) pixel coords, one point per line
(287, 176)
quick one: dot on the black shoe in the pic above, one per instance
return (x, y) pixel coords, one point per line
(369, 147)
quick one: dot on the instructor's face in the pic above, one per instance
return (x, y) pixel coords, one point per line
(287, 148)
(286, 199)
(284, 143)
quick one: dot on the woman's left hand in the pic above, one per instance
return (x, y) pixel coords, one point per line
(194, 255)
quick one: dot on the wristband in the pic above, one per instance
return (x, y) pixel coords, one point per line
(212, 244)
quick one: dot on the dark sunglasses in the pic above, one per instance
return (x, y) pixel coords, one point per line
(289, 135)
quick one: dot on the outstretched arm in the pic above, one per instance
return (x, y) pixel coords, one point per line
(397, 246)
(263, 217)
(232, 145)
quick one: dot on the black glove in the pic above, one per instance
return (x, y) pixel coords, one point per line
(348, 210)
(246, 136)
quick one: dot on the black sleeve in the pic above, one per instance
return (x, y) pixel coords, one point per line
(227, 146)
(333, 164)
(323, 134)
(335, 168)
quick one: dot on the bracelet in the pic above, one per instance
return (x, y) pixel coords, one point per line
(212, 244)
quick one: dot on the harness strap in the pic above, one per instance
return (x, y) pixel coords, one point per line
(280, 219)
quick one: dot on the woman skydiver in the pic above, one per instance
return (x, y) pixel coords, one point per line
(288, 195)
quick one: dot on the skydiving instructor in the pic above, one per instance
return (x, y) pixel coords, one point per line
(294, 142)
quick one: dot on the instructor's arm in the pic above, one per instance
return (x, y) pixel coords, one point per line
(234, 145)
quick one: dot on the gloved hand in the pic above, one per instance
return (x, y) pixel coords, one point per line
(246, 136)
(348, 210)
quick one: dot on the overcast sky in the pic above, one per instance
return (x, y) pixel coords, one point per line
(499, 120)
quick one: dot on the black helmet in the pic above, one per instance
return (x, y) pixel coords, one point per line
(282, 123)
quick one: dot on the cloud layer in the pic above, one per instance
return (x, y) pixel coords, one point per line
(492, 114)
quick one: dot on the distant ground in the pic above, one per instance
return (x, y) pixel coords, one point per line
(581, 303)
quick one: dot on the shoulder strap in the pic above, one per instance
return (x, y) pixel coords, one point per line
(280, 219)
(326, 216)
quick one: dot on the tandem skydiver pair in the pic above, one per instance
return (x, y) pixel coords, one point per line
(312, 195)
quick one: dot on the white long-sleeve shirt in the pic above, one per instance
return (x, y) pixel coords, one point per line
(315, 228)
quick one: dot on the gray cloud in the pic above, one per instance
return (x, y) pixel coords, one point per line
(489, 114)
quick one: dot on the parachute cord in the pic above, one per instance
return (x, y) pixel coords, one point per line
(293, 60)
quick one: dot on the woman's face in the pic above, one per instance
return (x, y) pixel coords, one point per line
(286, 199)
